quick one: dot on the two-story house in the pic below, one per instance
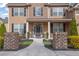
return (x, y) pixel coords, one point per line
(39, 18)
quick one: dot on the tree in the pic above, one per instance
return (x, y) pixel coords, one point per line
(73, 27)
(2, 31)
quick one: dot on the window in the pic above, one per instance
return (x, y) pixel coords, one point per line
(15, 13)
(57, 12)
(37, 11)
(20, 28)
(57, 27)
(77, 12)
(19, 12)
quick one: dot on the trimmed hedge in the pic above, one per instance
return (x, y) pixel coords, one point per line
(73, 41)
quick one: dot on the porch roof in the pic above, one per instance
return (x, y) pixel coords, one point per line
(47, 19)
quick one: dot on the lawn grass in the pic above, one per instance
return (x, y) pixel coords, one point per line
(25, 43)
(47, 43)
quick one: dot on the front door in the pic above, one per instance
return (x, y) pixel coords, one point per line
(38, 30)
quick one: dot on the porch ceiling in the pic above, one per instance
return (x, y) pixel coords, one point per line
(47, 19)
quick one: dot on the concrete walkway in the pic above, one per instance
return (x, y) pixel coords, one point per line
(37, 49)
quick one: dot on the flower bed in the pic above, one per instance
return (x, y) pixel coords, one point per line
(25, 43)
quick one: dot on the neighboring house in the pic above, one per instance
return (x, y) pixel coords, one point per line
(6, 23)
(39, 18)
(1, 21)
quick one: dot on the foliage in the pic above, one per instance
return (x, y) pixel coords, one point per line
(1, 42)
(47, 43)
(73, 37)
(28, 35)
(73, 27)
(74, 41)
(26, 42)
(46, 35)
(2, 31)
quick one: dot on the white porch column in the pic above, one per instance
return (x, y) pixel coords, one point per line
(27, 28)
(49, 30)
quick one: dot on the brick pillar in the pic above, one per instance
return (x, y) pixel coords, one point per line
(59, 40)
(11, 41)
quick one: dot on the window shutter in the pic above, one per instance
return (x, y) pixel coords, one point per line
(41, 11)
(12, 27)
(64, 27)
(24, 28)
(12, 12)
(64, 12)
(24, 11)
(51, 12)
(34, 11)
(51, 28)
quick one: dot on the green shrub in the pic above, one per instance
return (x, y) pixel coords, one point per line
(1, 42)
(74, 41)
(73, 27)
(73, 37)
(2, 31)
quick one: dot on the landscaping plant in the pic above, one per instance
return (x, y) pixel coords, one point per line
(73, 27)
(2, 31)
(46, 35)
(28, 35)
(74, 41)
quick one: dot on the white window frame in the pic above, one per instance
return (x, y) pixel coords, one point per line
(37, 9)
(15, 10)
(19, 10)
(18, 28)
(58, 27)
(57, 10)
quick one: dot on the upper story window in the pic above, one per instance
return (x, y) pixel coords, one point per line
(19, 12)
(57, 12)
(38, 11)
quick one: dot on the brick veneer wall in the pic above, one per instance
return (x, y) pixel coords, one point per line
(59, 40)
(11, 41)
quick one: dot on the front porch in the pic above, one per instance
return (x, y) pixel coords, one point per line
(38, 29)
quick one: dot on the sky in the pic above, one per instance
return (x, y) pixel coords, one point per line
(4, 9)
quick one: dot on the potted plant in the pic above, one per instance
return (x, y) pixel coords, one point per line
(28, 35)
(46, 35)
